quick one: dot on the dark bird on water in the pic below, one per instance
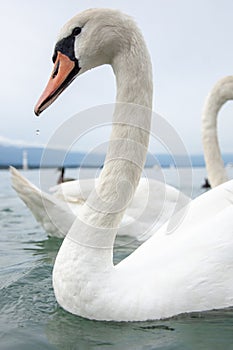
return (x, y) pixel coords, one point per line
(61, 178)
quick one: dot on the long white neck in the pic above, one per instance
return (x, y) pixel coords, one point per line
(96, 227)
(221, 93)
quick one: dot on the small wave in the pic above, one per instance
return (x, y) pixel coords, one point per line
(6, 210)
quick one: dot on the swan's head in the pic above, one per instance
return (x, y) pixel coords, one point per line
(90, 39)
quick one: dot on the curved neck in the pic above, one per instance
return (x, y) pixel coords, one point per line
(220, 94)
(101, 215)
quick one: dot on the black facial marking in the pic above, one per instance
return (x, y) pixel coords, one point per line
(66, 45)
(54, 56)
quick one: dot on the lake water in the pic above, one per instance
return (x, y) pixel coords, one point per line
(29, 315)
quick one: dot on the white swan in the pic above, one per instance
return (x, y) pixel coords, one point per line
(188, 270)
(56, 212)
(220, 93)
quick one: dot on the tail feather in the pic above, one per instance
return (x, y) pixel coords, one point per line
(53, 214)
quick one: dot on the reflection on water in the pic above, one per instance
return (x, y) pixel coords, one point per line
(31, 319)
(194, 331)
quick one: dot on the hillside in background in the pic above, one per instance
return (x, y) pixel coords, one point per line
(36, 157)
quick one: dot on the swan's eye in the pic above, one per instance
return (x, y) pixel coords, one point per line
(76, 31)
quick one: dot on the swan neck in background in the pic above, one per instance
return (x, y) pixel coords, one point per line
(219, 95)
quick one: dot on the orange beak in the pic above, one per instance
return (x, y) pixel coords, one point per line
(64, 72)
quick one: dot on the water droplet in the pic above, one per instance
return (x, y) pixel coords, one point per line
(37, 132)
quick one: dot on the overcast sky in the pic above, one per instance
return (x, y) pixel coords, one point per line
(191, 44)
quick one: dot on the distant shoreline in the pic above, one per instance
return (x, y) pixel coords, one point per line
(19, 167)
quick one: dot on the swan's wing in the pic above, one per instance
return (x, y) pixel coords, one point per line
(193, 266)
(209, 204)
(179, 212)
(54, 215)
(188, 271)
(198, 220)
